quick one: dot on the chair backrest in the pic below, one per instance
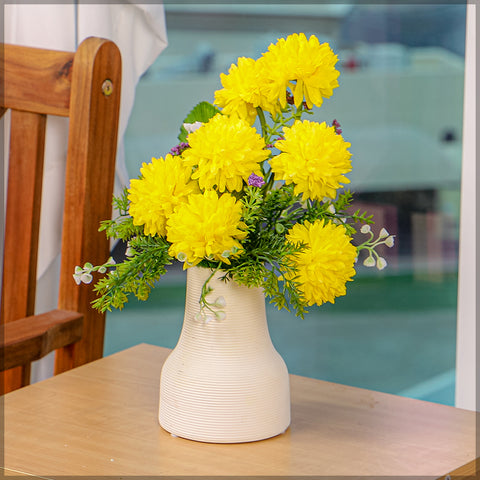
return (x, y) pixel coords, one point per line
(85, 87)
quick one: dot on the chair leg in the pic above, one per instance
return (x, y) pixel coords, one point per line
(15, 378)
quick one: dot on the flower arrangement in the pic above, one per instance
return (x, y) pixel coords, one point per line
(261, 200)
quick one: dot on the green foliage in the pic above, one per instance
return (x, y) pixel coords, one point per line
(252, 203)
(202, 112)
(136, 275)
(271, 269)
(146, 260)
(267, 257)
(121, 227)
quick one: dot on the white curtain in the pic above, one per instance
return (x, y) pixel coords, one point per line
(140, 33)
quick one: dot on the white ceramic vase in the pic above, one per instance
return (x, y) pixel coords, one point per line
(224, 382)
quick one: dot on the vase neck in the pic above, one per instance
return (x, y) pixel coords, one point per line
(239, 316)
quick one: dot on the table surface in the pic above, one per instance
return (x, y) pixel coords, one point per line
(101, 419)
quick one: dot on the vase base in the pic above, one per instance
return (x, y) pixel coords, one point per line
(222, 439)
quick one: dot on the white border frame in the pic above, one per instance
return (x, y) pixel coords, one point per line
(467, 367)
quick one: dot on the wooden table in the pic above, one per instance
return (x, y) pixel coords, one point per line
(101, 419)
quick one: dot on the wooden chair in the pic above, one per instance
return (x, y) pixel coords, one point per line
(85, 87)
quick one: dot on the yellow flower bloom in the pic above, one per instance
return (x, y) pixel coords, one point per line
(243, 92)
(224, 152)
(307, 66)
(164, 184)
(326, 264)
(206, 226)
(314, 158)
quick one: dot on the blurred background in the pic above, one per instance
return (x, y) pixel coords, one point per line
(400, 104)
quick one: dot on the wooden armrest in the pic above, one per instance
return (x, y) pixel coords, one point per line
(31, 338)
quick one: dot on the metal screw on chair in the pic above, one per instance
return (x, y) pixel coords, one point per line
(107, 87)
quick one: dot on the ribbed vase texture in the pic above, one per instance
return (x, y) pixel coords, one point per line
(224, 382)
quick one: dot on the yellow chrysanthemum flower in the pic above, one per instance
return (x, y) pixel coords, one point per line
(242, 91)
(164, 184)
(208, 226)
(314, 158)
(307, 66)
(326, 264)
(224, 152)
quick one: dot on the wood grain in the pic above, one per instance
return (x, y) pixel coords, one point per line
(23, 214)
(89, 187)
(31, 338)
(38, 80)
(101, 419)
(470, 471)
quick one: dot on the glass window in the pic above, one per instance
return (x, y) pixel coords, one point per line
(400, 105)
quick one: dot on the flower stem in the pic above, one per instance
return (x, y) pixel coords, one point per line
(263, 122)
(206, 290)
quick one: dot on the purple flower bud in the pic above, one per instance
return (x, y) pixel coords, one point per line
(255, 181)
(336, 126)
(178, 149)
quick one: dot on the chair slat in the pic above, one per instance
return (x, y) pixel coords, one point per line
(38, 80)
(31, 338)
(22, 223)
(23, 214)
